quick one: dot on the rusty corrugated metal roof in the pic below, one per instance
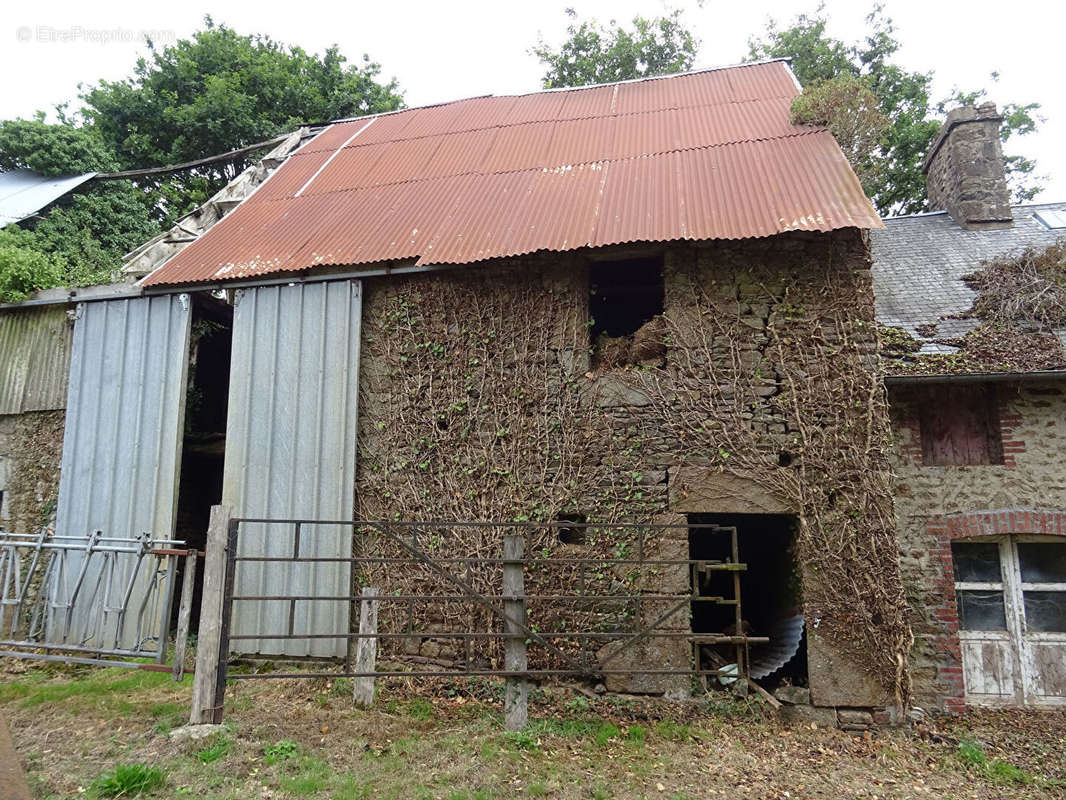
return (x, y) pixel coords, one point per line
(704, 155)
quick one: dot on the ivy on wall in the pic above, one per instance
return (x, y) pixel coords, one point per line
(477, 403)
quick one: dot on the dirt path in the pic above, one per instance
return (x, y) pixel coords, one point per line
(13, 784)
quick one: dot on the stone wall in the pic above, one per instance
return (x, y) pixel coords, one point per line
(1025, 494)
(31, 446)
(447, 357)
(964, 169)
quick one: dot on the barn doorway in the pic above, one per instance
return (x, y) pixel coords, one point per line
(770, 593)
(203, 449)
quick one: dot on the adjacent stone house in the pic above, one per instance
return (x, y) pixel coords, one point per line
(976, 380)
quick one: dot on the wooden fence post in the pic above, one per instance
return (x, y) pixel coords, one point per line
(516, 692)
(366, 648)
(209, 638)
(188, 586)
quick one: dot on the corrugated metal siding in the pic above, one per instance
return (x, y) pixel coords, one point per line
(34, 359)
(290, 453)
(708, 155)
(124, 425)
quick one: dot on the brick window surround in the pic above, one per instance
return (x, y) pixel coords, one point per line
(942, 530)
(1010, 421)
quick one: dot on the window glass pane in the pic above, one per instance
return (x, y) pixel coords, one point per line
(981, 611)
(976, 561)
(1045, 612)
(1042, 562)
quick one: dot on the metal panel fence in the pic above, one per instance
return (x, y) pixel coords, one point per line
(290, 451)
(98, 596)
(34, 358)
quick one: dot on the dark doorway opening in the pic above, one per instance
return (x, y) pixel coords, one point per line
(204, 443)
(770, 592)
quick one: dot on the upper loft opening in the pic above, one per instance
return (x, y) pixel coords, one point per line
(624, 299)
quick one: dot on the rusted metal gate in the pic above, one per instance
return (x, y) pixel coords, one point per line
(594, 602)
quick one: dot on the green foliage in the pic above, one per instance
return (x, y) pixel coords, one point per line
(82, 238)
(53, 150)
(214, 751)
(593, 53)
(24, 268)
(220, 90)
(281, 751)
(850, 110)
(972, 753)
(904, 99)
(129, 780)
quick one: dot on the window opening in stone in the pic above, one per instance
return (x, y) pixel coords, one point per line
(570, 528)
(770, 594)
(625, 313)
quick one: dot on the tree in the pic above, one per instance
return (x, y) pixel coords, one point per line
(215, 92)
(903, 97)
(595, 54)
(220, 91)
(847, 106)
(82, 238)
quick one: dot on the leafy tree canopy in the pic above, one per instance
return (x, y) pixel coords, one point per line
(199, 97)
(593, 53)
(82, 238)
(902, 97)
(219, 91)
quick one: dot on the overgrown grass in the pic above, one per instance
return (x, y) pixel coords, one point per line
(129, 780)
(972, 753)
(214, 751)
(108, 688)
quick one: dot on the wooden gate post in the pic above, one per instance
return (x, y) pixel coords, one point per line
(516, 693)
(209, 638)
(366, 648)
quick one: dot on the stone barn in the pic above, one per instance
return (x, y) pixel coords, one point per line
(642, 302)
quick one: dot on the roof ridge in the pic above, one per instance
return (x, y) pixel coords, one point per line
(555, 89)
(573, 165)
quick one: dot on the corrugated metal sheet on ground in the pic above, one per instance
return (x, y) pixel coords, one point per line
(125, 417)
(706, 155)
(34, 359)
(290, 453)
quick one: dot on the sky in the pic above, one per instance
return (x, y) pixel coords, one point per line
(441, 51)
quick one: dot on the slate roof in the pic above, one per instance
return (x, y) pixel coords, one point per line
(919, 262)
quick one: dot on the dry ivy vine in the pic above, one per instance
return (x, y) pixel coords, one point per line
(476, 406)
(810, 365)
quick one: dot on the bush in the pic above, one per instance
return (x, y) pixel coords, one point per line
(23, 268)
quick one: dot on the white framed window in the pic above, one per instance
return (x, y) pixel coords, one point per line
(1010, 592)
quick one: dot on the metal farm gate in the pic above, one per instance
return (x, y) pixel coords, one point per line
(519, 601)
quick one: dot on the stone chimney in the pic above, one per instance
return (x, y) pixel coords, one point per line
(964, 173)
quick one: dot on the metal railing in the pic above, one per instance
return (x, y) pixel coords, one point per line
(88, 600)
